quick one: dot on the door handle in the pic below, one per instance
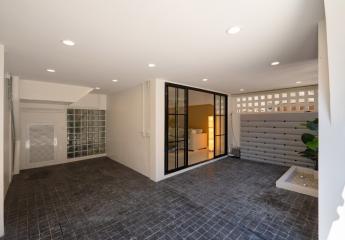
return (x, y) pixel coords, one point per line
(55, 142)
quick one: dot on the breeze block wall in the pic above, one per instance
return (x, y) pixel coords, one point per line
(275, 138)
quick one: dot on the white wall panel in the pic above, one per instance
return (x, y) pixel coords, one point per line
(332, 119)
(2, 139)
(91, 101)
(126, 141)
(51, 92)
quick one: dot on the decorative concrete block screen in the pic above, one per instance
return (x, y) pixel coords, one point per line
(300, 99)
(275, 137)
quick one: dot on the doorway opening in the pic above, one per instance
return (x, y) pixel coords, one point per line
(195, 126)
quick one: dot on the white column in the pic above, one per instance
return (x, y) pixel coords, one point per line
(16, 114)
(332, 120)
(2, 191)
(157, 129)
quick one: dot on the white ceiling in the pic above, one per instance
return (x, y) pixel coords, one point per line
(187, 41)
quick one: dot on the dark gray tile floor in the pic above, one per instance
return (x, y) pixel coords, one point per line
(100, 199)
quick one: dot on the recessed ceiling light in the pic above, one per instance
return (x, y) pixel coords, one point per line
(151, 65)
(275, 63)
(68, 42)
(115, 80)
(97, 88)
(298, 82)
(51, 70)
(205, 80)
(241, 90)
(234, 30)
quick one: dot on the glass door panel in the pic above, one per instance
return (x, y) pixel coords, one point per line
(181, 154)
(217, 104)
(200, 126)
(171, 156)
(176, 118)
(222, 144)
(181, 101)
(220, 125)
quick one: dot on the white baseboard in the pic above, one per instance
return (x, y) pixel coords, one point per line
(190, 168)
(67, 160)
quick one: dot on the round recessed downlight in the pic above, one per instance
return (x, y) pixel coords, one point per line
(97, 88)
(234, 30)
(115, 80)
(298, 82)
(51, 70)
(204, 79)
(275, 63)
(151, 65)
(68, 42)
(241, 90)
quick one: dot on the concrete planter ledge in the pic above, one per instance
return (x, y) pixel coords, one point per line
(300, 179)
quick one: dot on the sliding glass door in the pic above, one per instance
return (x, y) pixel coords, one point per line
(175, 130)
(195, 126)
(200, 126)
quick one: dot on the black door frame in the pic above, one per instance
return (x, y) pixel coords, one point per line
(186, 102)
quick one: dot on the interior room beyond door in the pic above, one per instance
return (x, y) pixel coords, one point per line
(195, 126)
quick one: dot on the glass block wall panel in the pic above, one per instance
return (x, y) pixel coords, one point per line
(303, 99)
(85, 132)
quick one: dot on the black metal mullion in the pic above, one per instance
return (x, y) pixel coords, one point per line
(176, 132)
(186, 159)
(166, 130)
(226, 125)
(214, 125)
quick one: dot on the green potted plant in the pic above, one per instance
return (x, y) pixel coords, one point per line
(311, 142)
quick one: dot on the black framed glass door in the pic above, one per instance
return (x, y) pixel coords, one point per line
(195, 126)
(175, 130)
(220, 118)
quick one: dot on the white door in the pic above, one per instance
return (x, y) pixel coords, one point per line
(43, 137)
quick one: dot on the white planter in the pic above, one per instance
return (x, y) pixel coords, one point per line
(300, 179)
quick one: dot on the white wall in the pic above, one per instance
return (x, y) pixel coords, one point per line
(91, 101)
(234, 124)
(127, 139)
(332, 120)
(51, 92)
(157, 96)
(8, 161)
(2, 140)
(17, 123)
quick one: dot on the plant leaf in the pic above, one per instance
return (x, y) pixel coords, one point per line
(307, 137)
(313, 125)
(309, 153)
(313, 144)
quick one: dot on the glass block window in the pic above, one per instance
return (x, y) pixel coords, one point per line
(302, 99)
(85, 132)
